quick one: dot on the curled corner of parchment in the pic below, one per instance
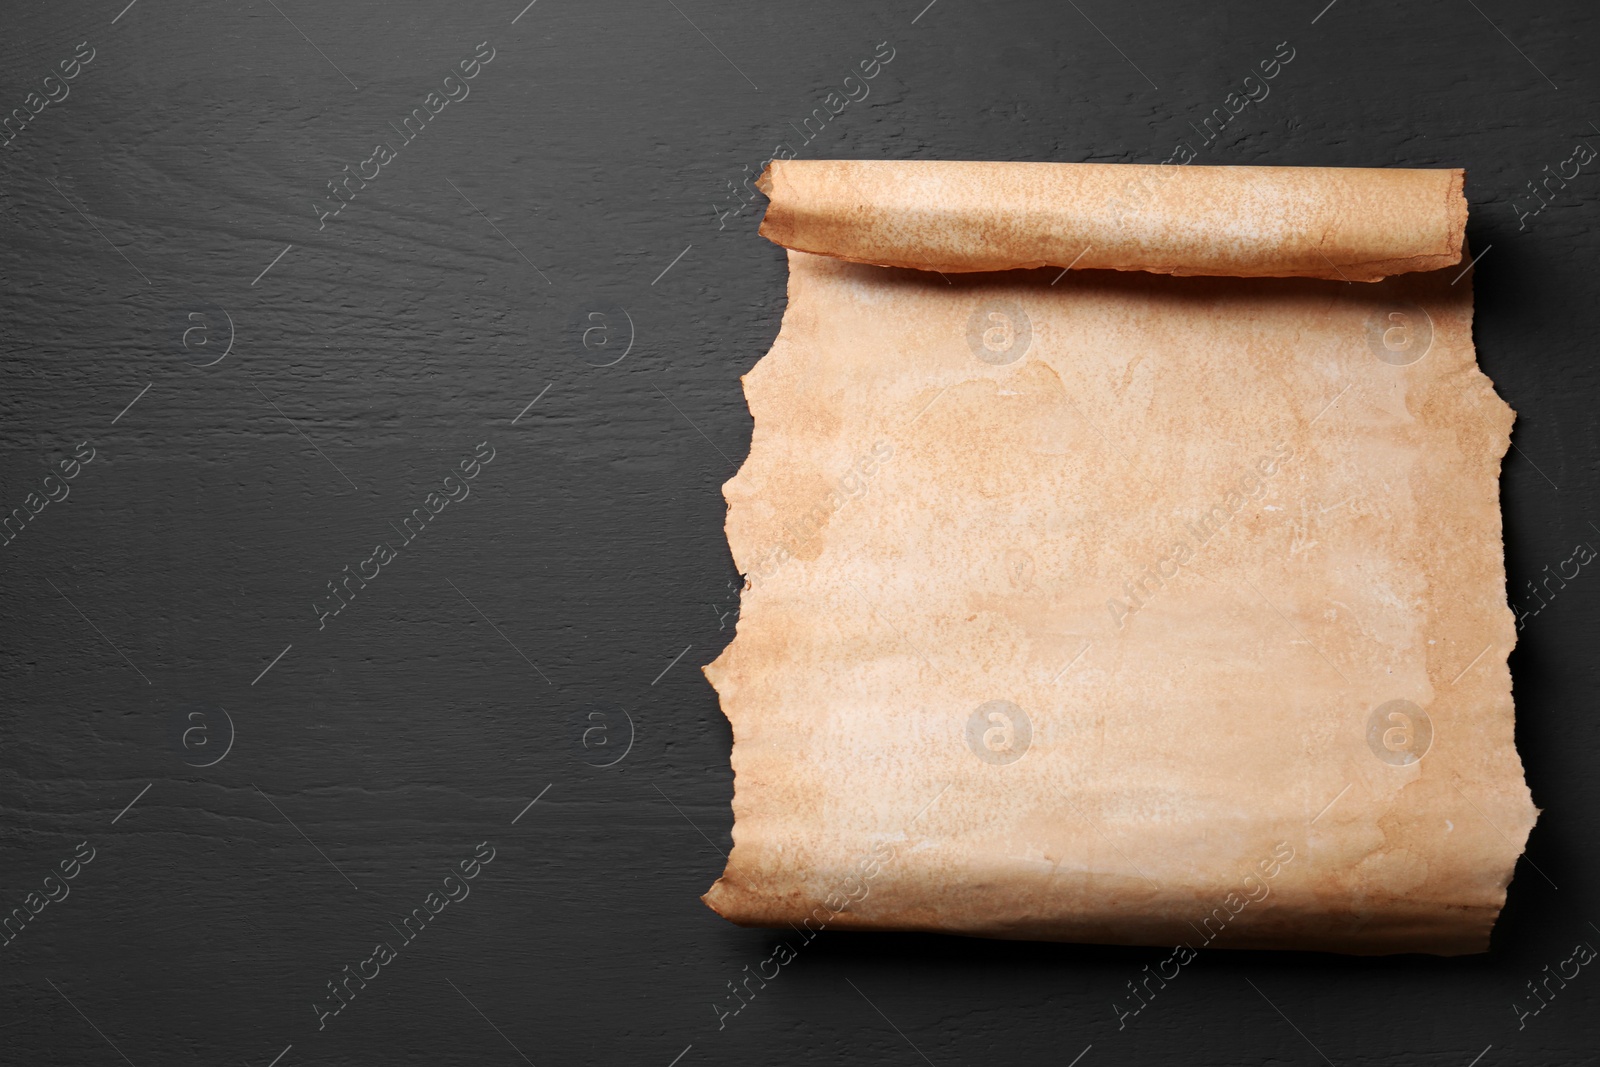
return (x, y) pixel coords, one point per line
(1154, 598)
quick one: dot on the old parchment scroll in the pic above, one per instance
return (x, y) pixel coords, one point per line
(1115, 604)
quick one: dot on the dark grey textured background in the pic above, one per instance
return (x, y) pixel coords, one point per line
(602, 141)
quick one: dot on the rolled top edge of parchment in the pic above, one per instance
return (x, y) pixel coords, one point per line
(1357, 224)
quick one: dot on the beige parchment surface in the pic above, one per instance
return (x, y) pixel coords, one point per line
(1188, 538)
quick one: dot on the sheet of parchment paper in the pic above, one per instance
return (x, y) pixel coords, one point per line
(1118, 606)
